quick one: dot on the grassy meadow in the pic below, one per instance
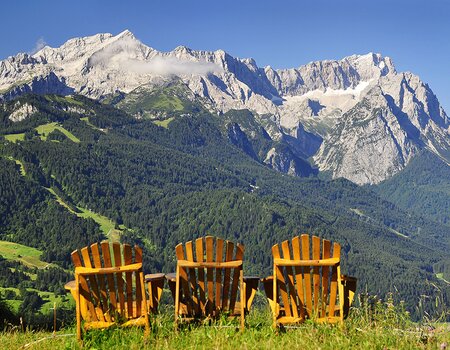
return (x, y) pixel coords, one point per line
(387, 331)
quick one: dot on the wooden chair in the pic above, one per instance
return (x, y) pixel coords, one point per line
(308, 282)
(209, 281)
(109, 287)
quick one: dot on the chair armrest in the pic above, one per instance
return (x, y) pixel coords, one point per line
(70, 285)
(154, 277)
(348, 278)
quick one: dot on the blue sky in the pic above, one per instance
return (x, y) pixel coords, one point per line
(283, 34)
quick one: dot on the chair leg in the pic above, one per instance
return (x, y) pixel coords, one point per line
(77, 306)
(242, 289)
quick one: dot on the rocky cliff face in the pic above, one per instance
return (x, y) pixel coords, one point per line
(358, 117)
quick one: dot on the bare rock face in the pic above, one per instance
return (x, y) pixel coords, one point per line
(357, 117)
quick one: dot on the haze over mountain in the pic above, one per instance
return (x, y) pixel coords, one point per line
(356, 118)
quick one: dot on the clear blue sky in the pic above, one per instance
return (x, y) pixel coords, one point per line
(283, 34)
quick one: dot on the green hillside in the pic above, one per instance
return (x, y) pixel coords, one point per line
(422, 187)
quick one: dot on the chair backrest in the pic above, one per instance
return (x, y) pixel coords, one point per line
(110, 282)
(209, 274)
(307, 275)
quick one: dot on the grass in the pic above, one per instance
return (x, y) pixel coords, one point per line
(26, 255)
(358, 332)
(86, 120)
(107, 226)
(45, 129)
(164, 123)
(63, 99)
(15, 137)
(20, 164)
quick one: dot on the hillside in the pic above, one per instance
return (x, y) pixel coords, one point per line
(173, 183)
(423, 187)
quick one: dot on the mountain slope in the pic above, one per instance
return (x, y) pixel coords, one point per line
(422, 187)
(309, 105)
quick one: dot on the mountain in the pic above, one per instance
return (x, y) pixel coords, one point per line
(343, 115)
(161, 183)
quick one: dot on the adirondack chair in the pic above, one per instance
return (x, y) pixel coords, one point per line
(309, 282)
(109, 287)
(209, 281)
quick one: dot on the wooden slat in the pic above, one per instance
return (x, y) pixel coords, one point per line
(199, 252)
(95, 249)
(219, 258)
(334, 280)
(236, 275)
(95, 294)
(184, 285)
(118, 276)
(110, 278)
(290, 279)
(307, 275)
(316, 273)
(192, 278)
(86, 307)
(227, 276)
(326, 253)
(128, 260)
(296, 249)
(281, 282)
(138, 259)
(209, 243)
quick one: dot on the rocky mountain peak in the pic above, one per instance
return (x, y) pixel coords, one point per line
(331, 105)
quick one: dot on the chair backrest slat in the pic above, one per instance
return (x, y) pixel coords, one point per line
(179, 251)
(209, 242)
(227, 275)
(128, 259)
(316, 274)
(326, 254)
(95, 293)
(199, 253)
(192, 278)
(118, 276)
(334, 281)
(307, 274)
(85, 293)
(289, 279)
(296, 249)
(138, 259)
(280, 282)
(110, 278)
(95, 250)
(219, 282)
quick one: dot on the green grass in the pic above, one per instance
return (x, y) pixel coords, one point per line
(357, 333)
(20, 164)
(26, 255)
(46, 129)
(164, 123)
(15, 137)
(106, 225)
(63, 99)
(86, 120)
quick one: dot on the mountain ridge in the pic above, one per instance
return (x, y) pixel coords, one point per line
(313, 99)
